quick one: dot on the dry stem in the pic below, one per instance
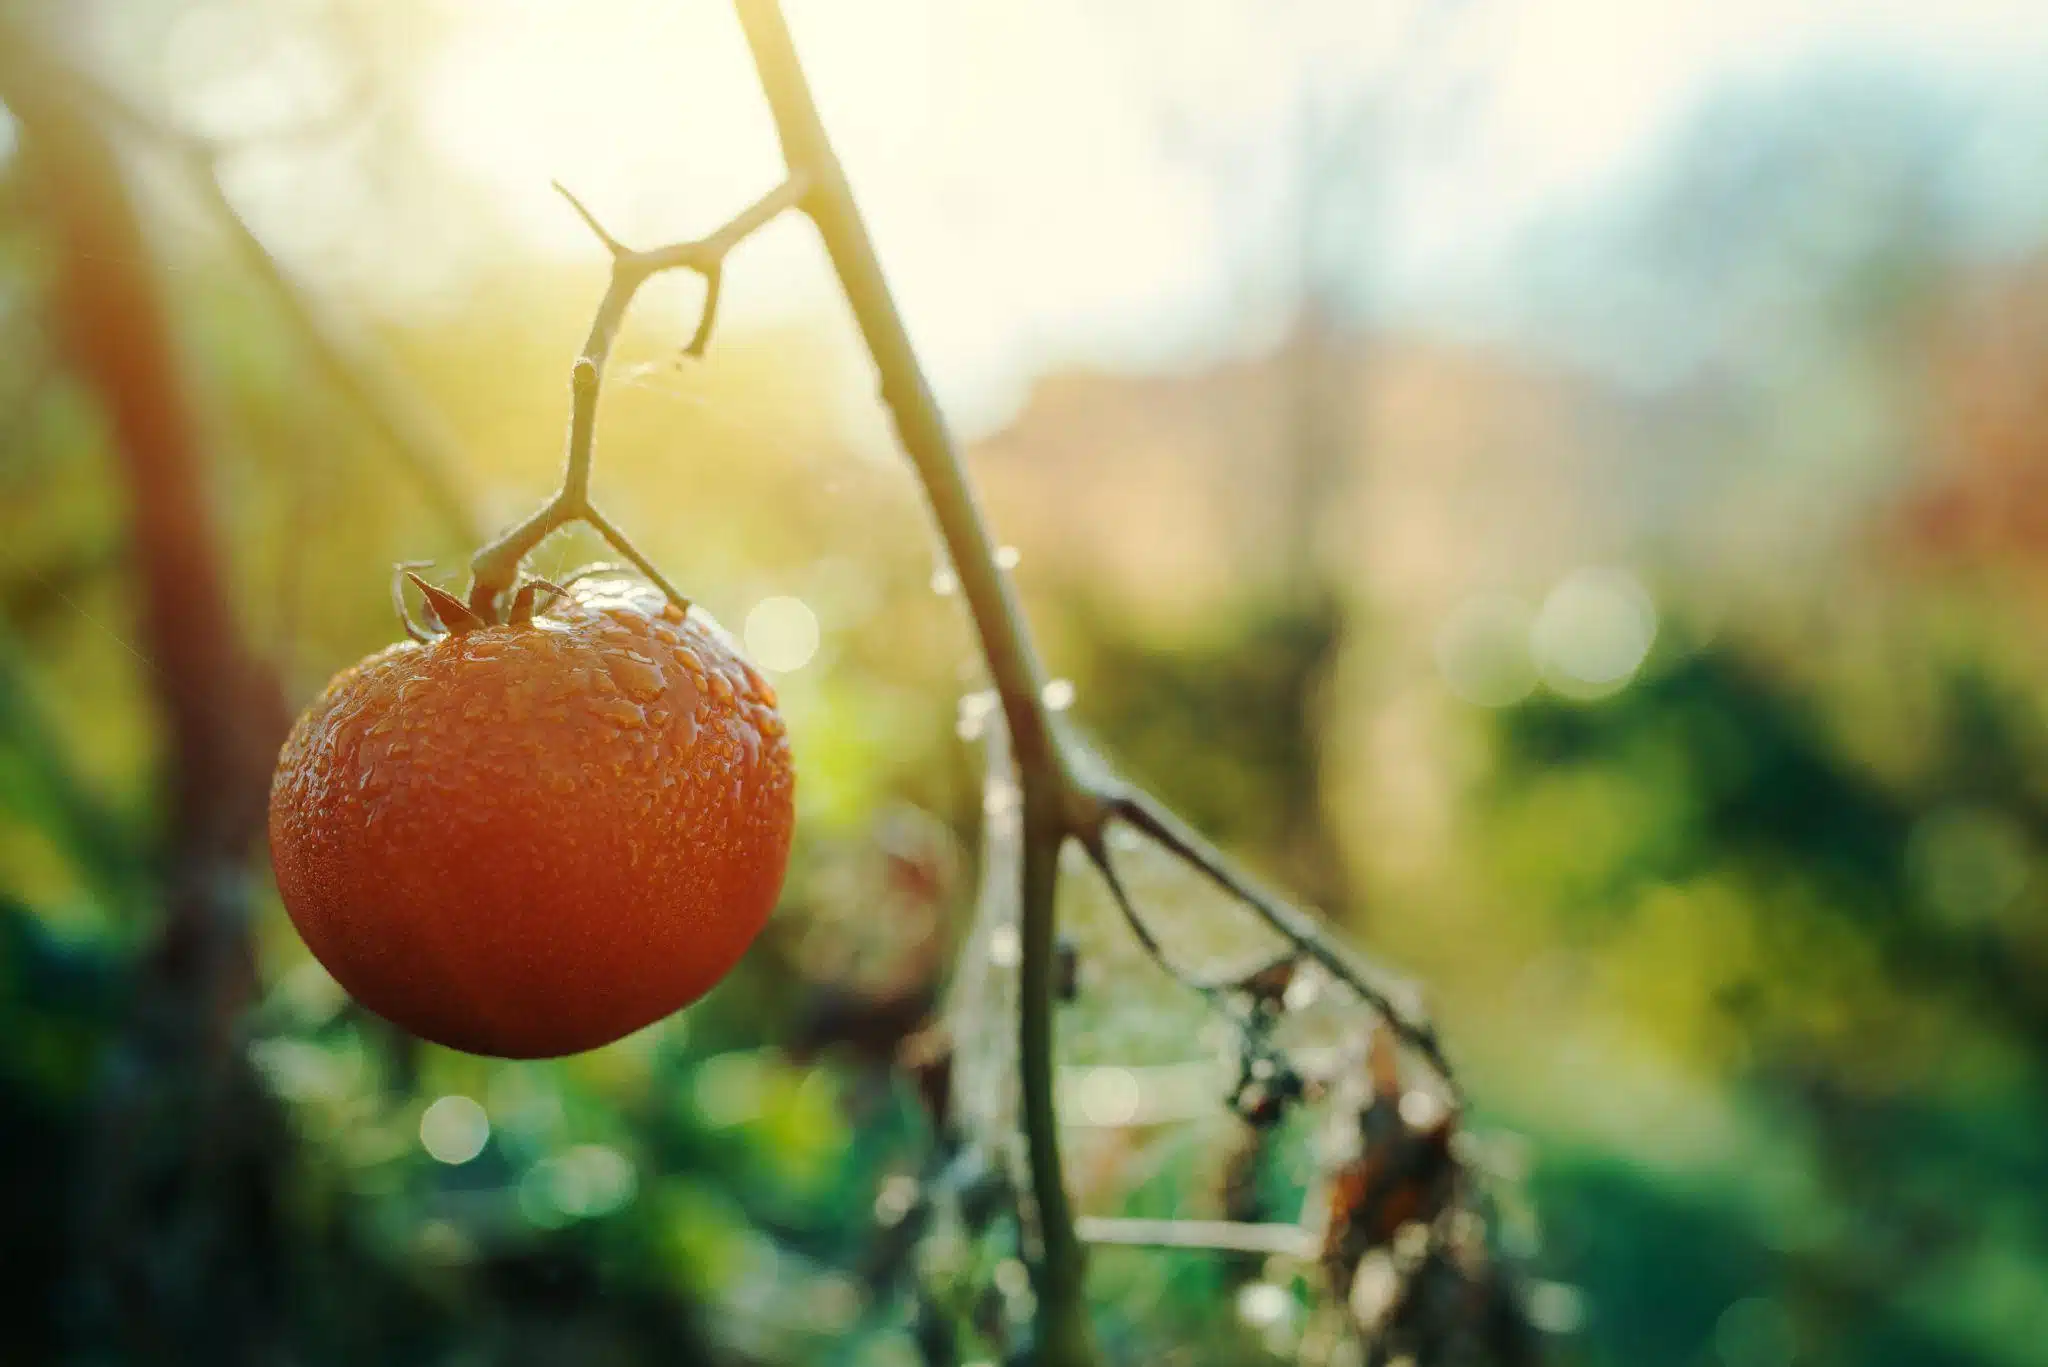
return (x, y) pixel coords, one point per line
(1058, 802)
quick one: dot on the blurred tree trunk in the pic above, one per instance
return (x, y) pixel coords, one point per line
(179, 1250)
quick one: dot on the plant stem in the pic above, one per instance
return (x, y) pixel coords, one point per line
(1052, 795)
(494, 567)
(1013, 664)
(1059, 1277)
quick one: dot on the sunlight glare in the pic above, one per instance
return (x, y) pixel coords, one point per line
(782, 634)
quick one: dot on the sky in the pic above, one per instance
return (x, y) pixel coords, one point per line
(1114, 181)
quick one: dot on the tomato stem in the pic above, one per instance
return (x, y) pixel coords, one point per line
(495, 568)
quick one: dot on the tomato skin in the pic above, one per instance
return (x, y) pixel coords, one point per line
(532, 840)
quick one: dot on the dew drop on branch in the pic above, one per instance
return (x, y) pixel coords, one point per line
(975, 710)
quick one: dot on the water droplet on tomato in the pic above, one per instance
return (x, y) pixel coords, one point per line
(618, 712)
(639, 676)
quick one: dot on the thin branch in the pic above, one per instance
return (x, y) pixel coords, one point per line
(611, 244)
(714, 280)
(496, 566)
(1146, 814)
(603, 527)
(1098, 853)
(1220, 1236)
(707, 252)
(921, 428)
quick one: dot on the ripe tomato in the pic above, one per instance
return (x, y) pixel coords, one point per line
(529, 840)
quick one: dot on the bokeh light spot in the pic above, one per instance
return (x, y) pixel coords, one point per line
(536, 1198)
(1593, 632)
(1011, 1277)
(1374, 1288)
(782, 634)
(1110, 1096)
(895, 1199)
(590, 1180)
(975, 710)
(1262, 1303)
(1556, 1308)
(1420, 1109)
(454, 1129)
(300, 1071)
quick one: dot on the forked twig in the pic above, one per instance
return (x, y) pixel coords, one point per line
(1099, 854)
(496, 566)
(1147, 815)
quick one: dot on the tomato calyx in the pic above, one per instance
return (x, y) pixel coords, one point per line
(527, 600)
(444, 614)
(444, 609)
